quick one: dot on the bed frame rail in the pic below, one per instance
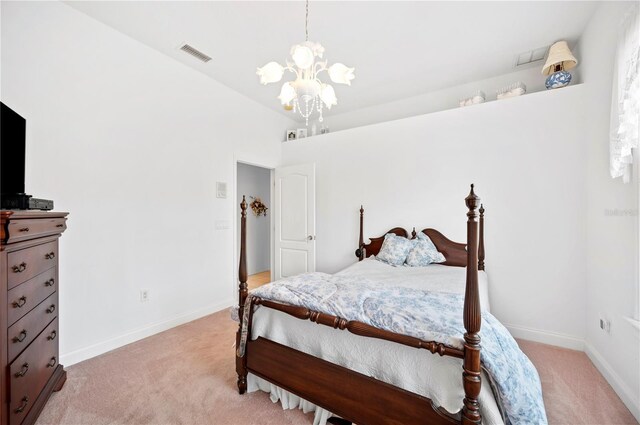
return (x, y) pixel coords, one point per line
(359, 328)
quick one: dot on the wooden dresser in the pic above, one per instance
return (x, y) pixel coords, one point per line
(29, 371)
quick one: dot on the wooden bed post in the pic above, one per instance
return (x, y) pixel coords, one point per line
(481, 245)
(472, 320)
(241, 362)
(360, 250)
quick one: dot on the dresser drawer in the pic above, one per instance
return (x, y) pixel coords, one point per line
(27, 263)
(21, 333)
(27, 295)
(24, 229)
(29, 373)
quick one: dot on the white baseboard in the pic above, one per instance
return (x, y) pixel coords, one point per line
(546, 337)
(624, 392)
(94, 350)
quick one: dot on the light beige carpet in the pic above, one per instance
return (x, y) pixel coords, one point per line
(186, 376)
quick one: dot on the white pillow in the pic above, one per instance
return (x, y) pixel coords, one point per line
(424, 252)
(394, 249)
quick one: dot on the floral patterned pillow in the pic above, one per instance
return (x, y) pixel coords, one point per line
(424, 252)
(394, 249)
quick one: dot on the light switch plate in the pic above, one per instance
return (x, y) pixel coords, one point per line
(221, 190)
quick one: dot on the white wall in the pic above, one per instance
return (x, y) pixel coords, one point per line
(439, 100)
(131, 143)
(612, 268)
(256, 181)
(527, 157)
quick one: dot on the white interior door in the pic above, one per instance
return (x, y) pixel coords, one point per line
(295, 220)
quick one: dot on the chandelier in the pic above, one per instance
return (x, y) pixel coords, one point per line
(307, 93)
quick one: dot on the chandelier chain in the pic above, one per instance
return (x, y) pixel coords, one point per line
(306, 23)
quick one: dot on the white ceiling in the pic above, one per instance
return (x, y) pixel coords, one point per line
(399, 48)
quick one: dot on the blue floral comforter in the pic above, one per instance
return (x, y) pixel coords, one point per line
(430, 316)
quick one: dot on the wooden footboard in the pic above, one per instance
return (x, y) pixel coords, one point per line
(354, 396)
(351, 395)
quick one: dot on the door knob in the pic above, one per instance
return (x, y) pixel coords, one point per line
(311, 238)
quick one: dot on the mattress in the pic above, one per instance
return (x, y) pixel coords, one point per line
(417, 371)
(435, 277)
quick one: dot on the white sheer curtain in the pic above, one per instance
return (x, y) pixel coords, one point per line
(625, 103)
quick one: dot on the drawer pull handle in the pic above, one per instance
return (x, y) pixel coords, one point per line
(24, 229)
(59, 225)
(51, 308)
(53, 335)
(21, 336)
(19, 269)
(50, 282)
(23, 371)
(21, 301)
(25, 401)
(52, 362)
(50, 256)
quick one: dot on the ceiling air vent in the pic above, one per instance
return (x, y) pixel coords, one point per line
(195, 53)
(531, 56)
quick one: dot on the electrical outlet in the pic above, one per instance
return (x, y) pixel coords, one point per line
(144, 295)
(605, 325)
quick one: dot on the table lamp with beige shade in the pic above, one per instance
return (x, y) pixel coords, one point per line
(559, 60)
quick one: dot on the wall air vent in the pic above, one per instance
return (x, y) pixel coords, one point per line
(531, 56)
(195, 53)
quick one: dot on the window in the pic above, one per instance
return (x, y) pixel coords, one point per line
(625, 103)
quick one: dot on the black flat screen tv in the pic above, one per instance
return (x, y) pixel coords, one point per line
(12, 151)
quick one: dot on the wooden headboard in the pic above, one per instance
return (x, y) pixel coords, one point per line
(455, 253)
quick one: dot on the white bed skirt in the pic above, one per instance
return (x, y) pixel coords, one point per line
(287, 399)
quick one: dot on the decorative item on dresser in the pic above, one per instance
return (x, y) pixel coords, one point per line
(29, 313)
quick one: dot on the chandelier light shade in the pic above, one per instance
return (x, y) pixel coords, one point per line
(307, 93)
(287, 94)
(340, 73)
(271, 73)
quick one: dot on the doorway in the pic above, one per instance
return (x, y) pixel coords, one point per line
(255, 184)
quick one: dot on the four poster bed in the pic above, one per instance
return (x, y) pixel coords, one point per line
(377, 376)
